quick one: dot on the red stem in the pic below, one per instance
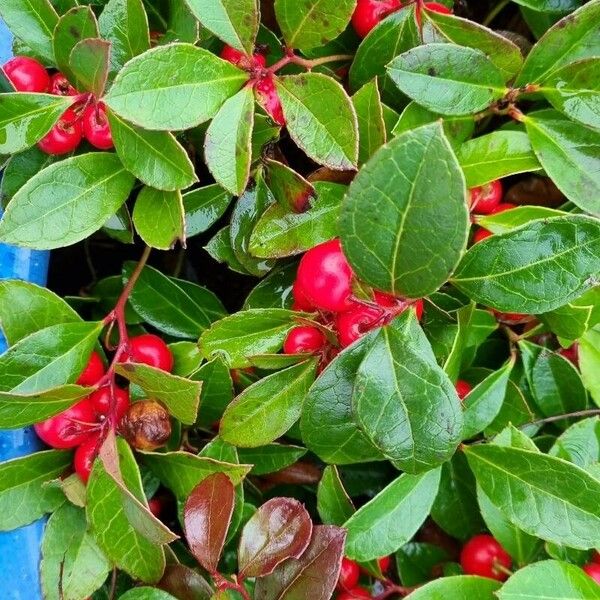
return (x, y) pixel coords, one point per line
(291, 58)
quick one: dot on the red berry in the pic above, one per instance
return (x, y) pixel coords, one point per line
(572, 354)
(155, 506)
(60, 86)
(502, 207)
(511, 318)
(303, 339)
(369, 13)
(269, 99)
(354, 323)
(85, 455)
(151, 350)
(242, 60)
(325, 277)
(462, 388)
(102, 401)
(485, 199)
(384, 563)
(301, 303)
(93, 372)
(64, 136)
(349, 575)
(27, 74)
(96, 127)
(481, 554)
(593, 570)
(355, 592)
(438, 8)
(481, 234)
(69, 428)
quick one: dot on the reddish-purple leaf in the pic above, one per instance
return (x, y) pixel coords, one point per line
(206, 516)
(279, 529)
(311, 577)
(185, 584)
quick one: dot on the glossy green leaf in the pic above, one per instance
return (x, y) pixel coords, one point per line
(572, 320)
(496, 155)
(182, 26)
(158, 218)
(543, 495)
(389, 520)
(203, 207)
(458, 587)
(119, 226)
(505, 271)
(275, 290)
(271, 457)
(289, 188)
(333, 503)
(155, 157)
(567, 151)
(308, 24)
(147, 593)
(220, 248)
(173, 87)
(507, 220)
(89, 64)
(217, 390)
(326, 131)
(516, 409)
(559, 6)
(26, 118)
(409, 179)
(416, 562)
(453, 362)
(24, 495)
(228, 142)
(371, 126)
(589, 362)
(264, 411)
(96, 183)
(448, 79)
(580, 444)
(175, 307)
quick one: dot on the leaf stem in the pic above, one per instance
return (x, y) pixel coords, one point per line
(590, 412)
(291, 58)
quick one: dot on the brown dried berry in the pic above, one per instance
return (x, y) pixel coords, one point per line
(146, 425)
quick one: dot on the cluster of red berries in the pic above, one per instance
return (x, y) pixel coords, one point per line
(487, 200)
(348, 580)
(323, 284)
(84, 425)
(262, 80)
(85, 119)
(369, 13)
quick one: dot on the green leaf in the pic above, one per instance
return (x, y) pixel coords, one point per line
(589, 362)
(24, 495)
(119, 226)
(371, 126)
(48, 358)
(247, 333)
(280, 233)
(182, 26)
(68, 553)
(217, 390)
(326, 131)
(158, 218)
(181, 472)
(574, 37)
(389, 520)
(175, 307)
(565, 249)
(180, 396)
(327, 421)
(289, 188)
(271, 457)
(550, 579)
(220, 249)
(233, 21)
(203, 208)
(89, 64)
(458, 587)
(484, 402)
(507, 220)
(26, 308)
(173, 87)
(580, 444)
(572, 320)
(265, 410)
(155, 157)
(453, 363)
(448, 79)
(567, 152)
(32, 22)
(124, 23)
(407, 182)
(96, 183)
(333, 503)
(26, 118)
(228, 142)
(515, 410)
(308, 24)
(545, 496)
(559, 6)
(397, 372)
(148, 593)
(417, 560)
(496, 155)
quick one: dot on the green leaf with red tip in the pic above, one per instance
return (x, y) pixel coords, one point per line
(289, 188)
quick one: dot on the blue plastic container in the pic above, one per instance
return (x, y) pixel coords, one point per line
(20, 549)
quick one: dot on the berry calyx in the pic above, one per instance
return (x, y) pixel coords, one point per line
(84, 457)
(482, 555)
(27, 74)
(96, 127)
(268, 98)
(481, 234)
(463, 388)
(69, 428)
(349, 575)
(60, 86)
(354, 323)
(593, 570)
(64, 137)
(303, 339)
(438, 8)
(325, 277)
(93, 372)
(356, 592)
(150, 350)
(368, 13)
(101, 400)
(485, 198)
